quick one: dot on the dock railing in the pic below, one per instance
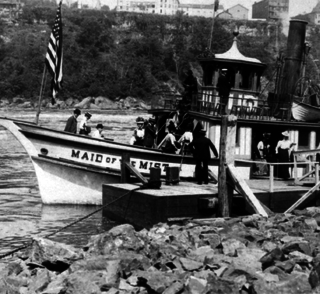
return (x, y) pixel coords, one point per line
(307, 157)
(312, 166)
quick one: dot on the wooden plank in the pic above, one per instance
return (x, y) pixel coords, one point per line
(271, 181)
(304, 176)
(133, 170)
(212, 175)
(243, 187)
(303, 198)
(227, 153)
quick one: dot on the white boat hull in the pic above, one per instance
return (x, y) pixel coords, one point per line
(61, 183)
(71, 169)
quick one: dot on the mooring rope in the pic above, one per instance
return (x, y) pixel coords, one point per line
(29, 243)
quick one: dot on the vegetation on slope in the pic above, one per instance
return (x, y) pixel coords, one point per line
(118, 54)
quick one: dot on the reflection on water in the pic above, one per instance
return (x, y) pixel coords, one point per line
(22, 214)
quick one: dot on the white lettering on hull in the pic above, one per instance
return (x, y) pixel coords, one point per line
(110, 161)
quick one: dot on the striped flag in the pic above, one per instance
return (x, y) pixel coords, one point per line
(216, 5)
(54, 55)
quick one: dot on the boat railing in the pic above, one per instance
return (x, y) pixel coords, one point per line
(240, 103)
(312, 168)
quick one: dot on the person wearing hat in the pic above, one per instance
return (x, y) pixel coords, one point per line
(201, 146)
(283, 150)
(263, 154)
(169, 143)
(71, 125)
(98, 132)
(84, 129)
(224, 88)
(138, 133)
(149, 133)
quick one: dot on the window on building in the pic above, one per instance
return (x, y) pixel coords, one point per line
(160, 10)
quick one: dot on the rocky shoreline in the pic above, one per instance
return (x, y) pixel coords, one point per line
(244, 255)
(93, 103)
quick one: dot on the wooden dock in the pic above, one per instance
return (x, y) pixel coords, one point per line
(146, 207)
(143, 206)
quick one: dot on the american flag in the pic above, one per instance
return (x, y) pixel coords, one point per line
(54, 55)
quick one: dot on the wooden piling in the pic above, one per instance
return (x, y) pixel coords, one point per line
(125, 173)
(227, 152)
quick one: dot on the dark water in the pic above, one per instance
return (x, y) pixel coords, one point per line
(22, 214)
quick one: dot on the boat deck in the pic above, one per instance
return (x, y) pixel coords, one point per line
(146, 207)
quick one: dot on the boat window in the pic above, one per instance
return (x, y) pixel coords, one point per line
(303, 138)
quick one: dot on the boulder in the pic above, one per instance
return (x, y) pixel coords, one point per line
(84, 104)
(190, 265)
(61, 104)
(26, 104)
(105, 103)
(195, 285)
(18, 100)
(230, 246)
(52, 255)
(52, 106)
(4, 102)
(93, 106)
(69, 102)
(143, 105)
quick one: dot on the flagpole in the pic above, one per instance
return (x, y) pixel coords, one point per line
(43, 84)
(215, 8)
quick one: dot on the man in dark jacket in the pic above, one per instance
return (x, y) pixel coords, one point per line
(71, 125)
(224, 87)
(149, 133)
(201, 152)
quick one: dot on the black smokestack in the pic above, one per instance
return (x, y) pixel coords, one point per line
(292, 66)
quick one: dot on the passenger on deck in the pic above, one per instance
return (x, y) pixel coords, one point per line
(224, 87)
(149, 133)
(283, 150)
(190, 85)
(138, 134)
(201, 152)
(169, 143)
(98, 132)
(263, 148)
(186, 139)
(84, 129)
(71, 125)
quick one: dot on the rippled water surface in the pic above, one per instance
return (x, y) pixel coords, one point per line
(22, 214)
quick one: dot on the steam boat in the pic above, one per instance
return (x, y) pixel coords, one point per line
(72, 168)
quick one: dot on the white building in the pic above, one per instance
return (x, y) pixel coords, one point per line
(168, 7)
(136, 6)
(205, 10)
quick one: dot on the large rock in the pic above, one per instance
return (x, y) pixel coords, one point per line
(69, 102)
(53, 255)
(105, 103)
(84, 104)
(119, 238)
(18, 100)
(61, 104)
(26, 104)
